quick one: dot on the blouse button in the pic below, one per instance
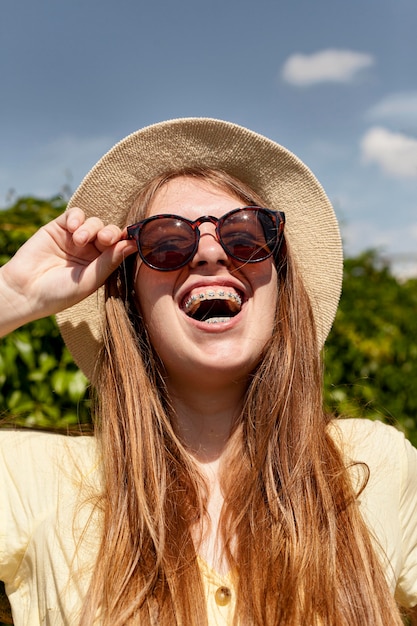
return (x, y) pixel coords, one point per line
(223, 596)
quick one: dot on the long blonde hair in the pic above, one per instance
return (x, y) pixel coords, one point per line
(290, 524)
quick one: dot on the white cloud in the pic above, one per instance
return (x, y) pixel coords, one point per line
(395, 153)
(335, 66)
(396, 245)
(399, 107)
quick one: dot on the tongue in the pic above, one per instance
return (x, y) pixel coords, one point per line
(212, 311)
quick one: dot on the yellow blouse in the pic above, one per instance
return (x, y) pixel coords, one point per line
(47, 484)
(221, 599)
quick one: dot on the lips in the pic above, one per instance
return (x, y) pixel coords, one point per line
(212, 304)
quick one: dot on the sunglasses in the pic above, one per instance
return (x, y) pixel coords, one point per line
(167, 242)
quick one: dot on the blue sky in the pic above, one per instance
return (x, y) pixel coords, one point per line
(333, 81)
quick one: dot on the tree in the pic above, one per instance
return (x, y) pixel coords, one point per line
(371, 353)
(40, 386)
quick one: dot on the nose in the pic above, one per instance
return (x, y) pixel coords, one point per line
(209, 251)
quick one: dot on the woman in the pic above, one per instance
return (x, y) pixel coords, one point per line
(215, 490)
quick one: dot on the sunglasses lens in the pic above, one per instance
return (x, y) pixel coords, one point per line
(249, 235)
(167, 243)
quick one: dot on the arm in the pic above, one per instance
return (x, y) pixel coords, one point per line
(63, 263)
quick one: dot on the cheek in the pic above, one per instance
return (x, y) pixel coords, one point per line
(267, 313)
(148, 304)
(264, 282)
(267, 298)
(153, 298)
(154, 315)
(147, 292)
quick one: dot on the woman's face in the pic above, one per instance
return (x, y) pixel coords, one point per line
(226, 348)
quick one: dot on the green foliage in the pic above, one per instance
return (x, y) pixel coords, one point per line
(370, 356)
(20, 221)
(40, 386)
(371, 353)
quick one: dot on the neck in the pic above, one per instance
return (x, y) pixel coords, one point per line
(205, 416)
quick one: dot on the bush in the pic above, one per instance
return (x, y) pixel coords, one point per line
(370, 356)
(40, 386)
(371, 353)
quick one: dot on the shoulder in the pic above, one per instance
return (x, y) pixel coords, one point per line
(357, 429)
(384, 450)
(44, 477)
(39, 470)
(383, 467)
(29, 454)
(371, 441)
(32, 439)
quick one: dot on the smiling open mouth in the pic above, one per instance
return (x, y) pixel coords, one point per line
(213, 306)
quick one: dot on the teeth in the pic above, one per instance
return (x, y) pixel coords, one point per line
(193, 302)
(218, 320)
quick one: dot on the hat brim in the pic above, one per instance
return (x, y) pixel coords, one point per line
(278, 176)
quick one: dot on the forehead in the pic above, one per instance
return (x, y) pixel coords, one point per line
(192, 198)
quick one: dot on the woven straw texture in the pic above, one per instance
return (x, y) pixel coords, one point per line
(278, 176)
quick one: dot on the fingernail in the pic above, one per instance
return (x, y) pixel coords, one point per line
(108, 233)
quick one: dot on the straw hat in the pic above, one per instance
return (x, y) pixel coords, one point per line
(278, 176)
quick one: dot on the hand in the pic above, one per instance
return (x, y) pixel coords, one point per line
(63, 263)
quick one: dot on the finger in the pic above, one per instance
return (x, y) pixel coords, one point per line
(72, 219)
(108, 236)
(115, 255)
(87, 229)
(97, 272)
(87, 232)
